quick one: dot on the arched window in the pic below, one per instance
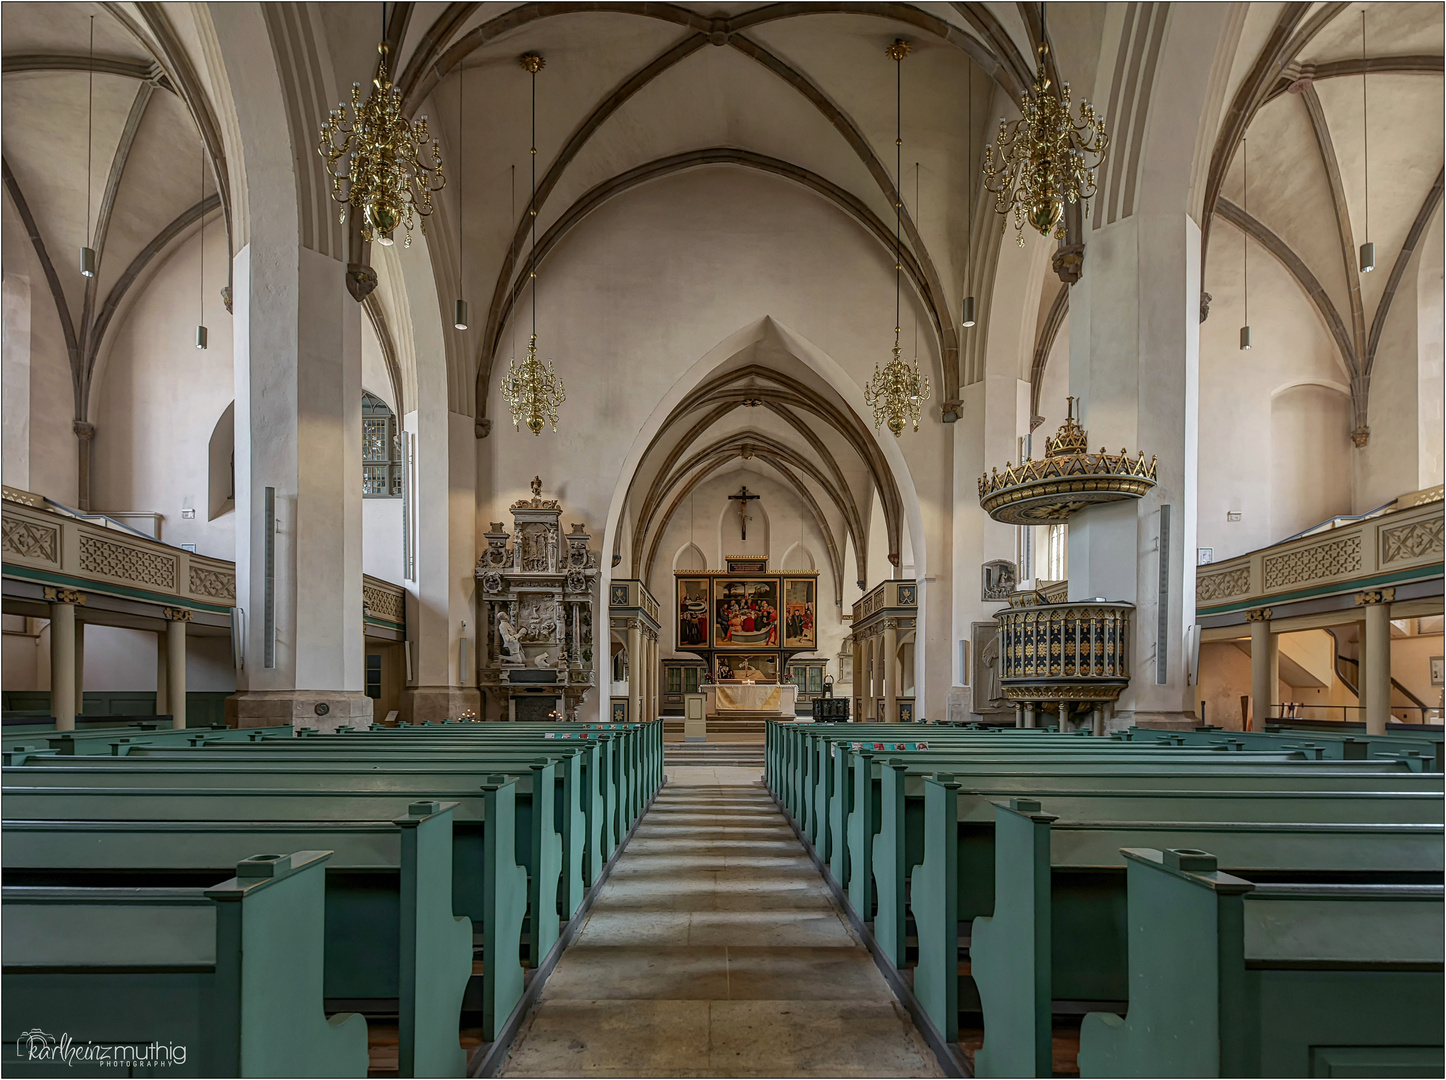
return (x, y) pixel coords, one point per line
(381, 450)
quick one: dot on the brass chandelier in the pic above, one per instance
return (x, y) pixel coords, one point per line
(897, 391)
(533, 392)
(1043, 159)
(383, 174)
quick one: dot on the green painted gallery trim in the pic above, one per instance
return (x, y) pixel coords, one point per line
(1399, 577)
(87, 585)
(387, 624)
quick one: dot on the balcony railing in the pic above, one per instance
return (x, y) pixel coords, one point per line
(1395, 547)
(51, 544)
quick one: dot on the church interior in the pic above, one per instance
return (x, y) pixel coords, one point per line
(668, 601)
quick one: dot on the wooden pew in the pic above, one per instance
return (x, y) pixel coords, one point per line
(538, 842)
(231, 974)
(1053, 927)
(1234, 978)
(487, 883)
(392, 942)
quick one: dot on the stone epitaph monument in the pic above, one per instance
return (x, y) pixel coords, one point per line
(535, 598)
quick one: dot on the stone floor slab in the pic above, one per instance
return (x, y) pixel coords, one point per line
(716, 949)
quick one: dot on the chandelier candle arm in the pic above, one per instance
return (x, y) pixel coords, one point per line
(1045, 158)
(375, 160)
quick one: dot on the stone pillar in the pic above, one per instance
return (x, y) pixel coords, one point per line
(891, 671)
(1134, 344)
(79, 667)
(62, 655)
(1264, 668)
(177, 618)
(1031, 713)
(444, 507)
(1018, 715)
(1376, 679)
(636, 665)
(161, 700)
(297, 370)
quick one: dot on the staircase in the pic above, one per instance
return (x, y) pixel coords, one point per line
(739, 755)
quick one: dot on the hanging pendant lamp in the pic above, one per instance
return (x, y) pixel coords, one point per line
(533, 392)
(87, 253)
(897, 391)
(1245, 244)
(201, 332)
(459, 315)
(1368, 249)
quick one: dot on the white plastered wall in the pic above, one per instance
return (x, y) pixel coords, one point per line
(655, 280)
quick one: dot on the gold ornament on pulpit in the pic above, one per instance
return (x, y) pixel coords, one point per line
(1047, 157)
(383, 173)
(1066, 480)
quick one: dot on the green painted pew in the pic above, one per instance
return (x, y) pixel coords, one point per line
(576, 804)
(228, 979)
(898, 842)
(488, 884)
(392, 943)
(1345, 746)
(606, 818)
(1048, 915)
(1230, 977)
(536, 838)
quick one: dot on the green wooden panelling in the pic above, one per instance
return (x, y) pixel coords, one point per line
(436, 947)
(934, 891)
(1009, 952)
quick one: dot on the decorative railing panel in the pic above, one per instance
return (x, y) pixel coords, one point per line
(382, 601)
(1397, 546)
(44, 545)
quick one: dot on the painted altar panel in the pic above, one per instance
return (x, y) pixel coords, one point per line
(694, 616)
(760, 667)
(799, 613)
(745, 613)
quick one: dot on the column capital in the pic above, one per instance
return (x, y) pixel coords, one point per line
(64, 596)
(1375, 596)
(1260, 614)
(83, 430)
(176, 614)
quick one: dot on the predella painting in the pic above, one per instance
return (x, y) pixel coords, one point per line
(693, 613)
(759, 668)
(798, 614)
(745, 613)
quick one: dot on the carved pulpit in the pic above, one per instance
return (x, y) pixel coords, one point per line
(535, 598)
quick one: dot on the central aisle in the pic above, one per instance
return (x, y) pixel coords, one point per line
(714, 949)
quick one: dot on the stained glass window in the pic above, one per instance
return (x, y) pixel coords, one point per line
(381, 450)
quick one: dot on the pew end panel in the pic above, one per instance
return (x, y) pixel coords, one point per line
(436, 947)
(232, 974)
(1231, 978)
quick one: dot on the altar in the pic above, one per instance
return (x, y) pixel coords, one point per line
(773, 698)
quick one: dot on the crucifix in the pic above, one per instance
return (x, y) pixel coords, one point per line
(742, 498)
